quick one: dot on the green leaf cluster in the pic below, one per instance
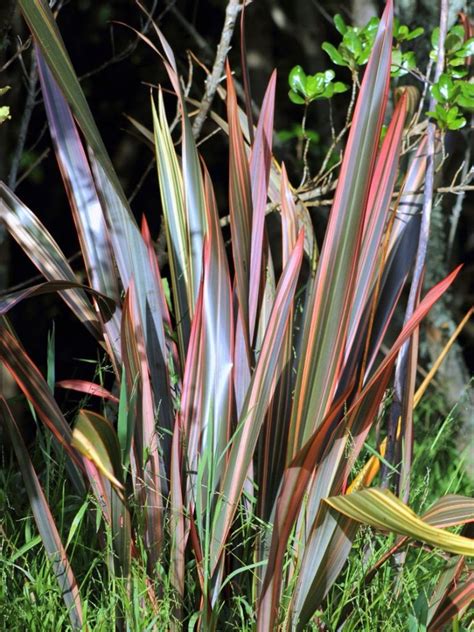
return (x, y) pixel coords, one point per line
(357, 43)
(452, 96)
(307, 88)
(457, 50)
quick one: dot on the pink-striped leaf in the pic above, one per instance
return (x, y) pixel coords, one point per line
(260, 161)
(302, 468)
(129, 249)
(274, 440)
(378, 205)
(240, 204)
(89, 388)
(145, 427)
(79, 185)
(207, 413)
(259, 395)
(456, 602)
(331, 296)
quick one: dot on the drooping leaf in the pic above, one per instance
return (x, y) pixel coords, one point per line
(45, 254)
(95, 438)
(9, 300)
(89, 388)
(383, 510)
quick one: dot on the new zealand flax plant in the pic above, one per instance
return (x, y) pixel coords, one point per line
(243, 397)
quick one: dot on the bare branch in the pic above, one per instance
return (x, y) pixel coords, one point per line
(231, 13)
(25, 122)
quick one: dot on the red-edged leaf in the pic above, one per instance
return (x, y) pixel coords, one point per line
(289, 217)
(82, 386)
(322, 562)
(240, 203)
(455, 603)
(301, 469)
(330, 298)
(179, 527)
(274, 441)
(378, 205)
(207, 406)
(218, 336)
(259, 395)
(260, 161)
(128, 246)
(146, 437)
(79, 185)
(155, 270)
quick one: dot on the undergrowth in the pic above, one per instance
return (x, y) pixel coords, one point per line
(30, 598)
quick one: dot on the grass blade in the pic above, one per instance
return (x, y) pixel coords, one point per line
(45, 522)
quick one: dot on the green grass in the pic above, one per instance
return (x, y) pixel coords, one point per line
(30, 599)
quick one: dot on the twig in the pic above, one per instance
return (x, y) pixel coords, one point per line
(127, 51)
(341, 134)
(36, 277)
(25, 122)
(32, 167)
(231, 13)
(467, 174)
(204, 46)
(142, 179)
(306, 143)
(20, 50)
